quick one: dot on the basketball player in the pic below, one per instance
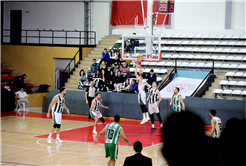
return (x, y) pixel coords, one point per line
(177, 101)
(95, 113)
(153, 95)
(113, 133)
(89, 96)
(142, 94)
(216, 125)
(57, 105)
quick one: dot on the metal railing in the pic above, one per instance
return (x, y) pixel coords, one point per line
(62, 79)
(49, 37)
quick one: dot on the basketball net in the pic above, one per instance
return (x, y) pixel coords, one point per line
(134, 59)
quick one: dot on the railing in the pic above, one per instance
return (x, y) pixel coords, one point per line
(68, 68)
(167, 80)
(49, 37)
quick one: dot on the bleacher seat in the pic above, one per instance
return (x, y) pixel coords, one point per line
(236, 92)
(217, 91)
(6, 71)
(230, 74)
(227, 91)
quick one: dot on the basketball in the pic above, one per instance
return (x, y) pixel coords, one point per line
(138, 61)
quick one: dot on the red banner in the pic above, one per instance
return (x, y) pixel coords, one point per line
(125, 12)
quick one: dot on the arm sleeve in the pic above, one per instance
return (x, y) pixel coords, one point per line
(154, 78)
(103, 55)
(87, 89)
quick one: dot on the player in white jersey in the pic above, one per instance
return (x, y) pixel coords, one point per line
(113, 132)
(57, 105)
(216, 124)
(153, 102)
(95, 113)
(142, 94)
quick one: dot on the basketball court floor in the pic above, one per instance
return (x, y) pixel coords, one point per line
(23, 141)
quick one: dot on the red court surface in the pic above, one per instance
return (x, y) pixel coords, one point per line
(132, 129)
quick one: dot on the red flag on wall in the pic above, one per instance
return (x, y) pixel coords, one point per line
(125, 12)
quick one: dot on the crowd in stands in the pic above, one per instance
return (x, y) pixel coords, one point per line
(111, 74)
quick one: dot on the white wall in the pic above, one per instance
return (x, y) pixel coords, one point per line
(47, 15)
(238, 15)
(199, 15)
(100, 19)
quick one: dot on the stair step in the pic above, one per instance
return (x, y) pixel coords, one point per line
(97, 56)
(70, 85)
(107, 41)
(96, 52)
(113, 36)
(104, 46)
(86, 62)
(208, 97)
(73, 81)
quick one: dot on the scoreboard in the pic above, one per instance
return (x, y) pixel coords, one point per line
(165, 6)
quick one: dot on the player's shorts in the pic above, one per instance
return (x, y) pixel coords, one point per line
(111, 151)
(57, 117)
(154, 108)
(142, 98)
(95, 114)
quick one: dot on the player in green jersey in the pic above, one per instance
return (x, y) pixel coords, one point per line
(177, 101)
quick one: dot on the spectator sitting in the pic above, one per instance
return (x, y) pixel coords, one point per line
(96, 78)
(18, 82)
(22, 96)
(125, 70)
(119, 77)
(134, 87)
(126, 44)
(117, 86)
(114, 55)
(82, 79)
(103, 81)
(132, 44)
(151, 77)
(110, 86)
(111, 76)
(126, 86)
(103, 66)
(138, 158)
(116, 69)
(105, 56)
(94, 68)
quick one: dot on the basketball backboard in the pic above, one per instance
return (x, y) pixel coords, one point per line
(149, 47)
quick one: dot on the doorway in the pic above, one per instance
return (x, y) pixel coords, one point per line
(15, 26)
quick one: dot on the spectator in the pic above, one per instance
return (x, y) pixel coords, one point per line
(233, 143)
(18, 82)
(116, 69)
(187, 147)
(151, 77)
(126, 44)
(132, 44)
(96, 78)
(138, 158)
(134, 87)
(105, 56)
(94, 68)
(103, 81)
(110, 86)
(125, 70)
(22, 98)
(103, 66)
(111, 76)
(114, 55)
(82, 79)
(126, 86)
(117, 86)
(119, 77)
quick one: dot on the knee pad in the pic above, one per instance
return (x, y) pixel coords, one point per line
(57, 126)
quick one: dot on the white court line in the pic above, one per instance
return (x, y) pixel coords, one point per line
(12, 119)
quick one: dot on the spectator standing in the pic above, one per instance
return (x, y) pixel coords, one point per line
(151, 77)
(94, 67)
(138, 158)
(89, 96)
(103, 80)
(18, 82)
(125, 70)
(22, 98)
(119, 77)
(134, 87)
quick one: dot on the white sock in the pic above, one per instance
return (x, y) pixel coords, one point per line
(50, 135)
(147, 116)
(161, 125)
(95, 128)
(57, 136)
(153, 125)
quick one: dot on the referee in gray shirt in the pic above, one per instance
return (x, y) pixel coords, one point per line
(90, 95)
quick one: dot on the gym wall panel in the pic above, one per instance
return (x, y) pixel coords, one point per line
(36, 61)
(238, 15)
(36, 99)
(47, 15)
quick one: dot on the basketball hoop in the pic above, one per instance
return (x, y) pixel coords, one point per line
(134, 59)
